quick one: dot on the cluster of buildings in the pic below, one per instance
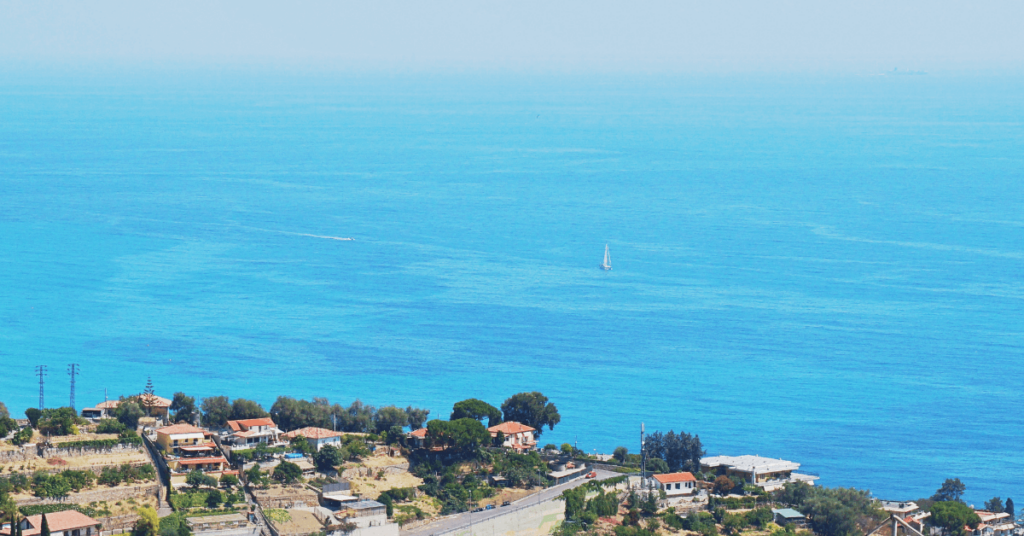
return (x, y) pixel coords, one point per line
(992, 523)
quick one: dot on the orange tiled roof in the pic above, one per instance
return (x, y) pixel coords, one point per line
(60, 522)
(510, 427)
(107, 404)
(181, 428)
(675, 477)
(419, 432)
(312, 432)
(249, 423)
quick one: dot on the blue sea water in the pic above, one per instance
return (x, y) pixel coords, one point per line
(823, 269)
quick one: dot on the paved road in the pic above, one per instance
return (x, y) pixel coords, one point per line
(464, 519)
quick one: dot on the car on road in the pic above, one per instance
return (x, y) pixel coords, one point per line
(489, 507)
(478, 509)
(506, 503)
(592, 474)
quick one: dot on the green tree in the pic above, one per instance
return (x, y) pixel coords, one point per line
(620, 454)
(389, 416)
(174, 525)
(953, 516)
(733, 523)
(128, 413)
(575, 502)
(464, 435)
(197, 479)
(148, 523)
(952, 490)
(242, 409)
(474, 408)
(566, 448)
(148, 398)
(33, 415)
(58, 422)
(301, 444)
(228, 481)
(759, 517)
(531, 409)
(417, 417)
(216, 410)
(214, 498)
(994, 505)
(184, 408)
(1009, 508)
(328, 458)
(287, 472)
(44, 527)
(4, 414)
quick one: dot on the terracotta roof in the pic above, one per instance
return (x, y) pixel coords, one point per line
(181, 428)
(510, 427)
(249, 423)
(312, 432)
(60, 521)
(155, 401)
(199, 461)
(419, 432)
(675, 477)
(107, 404)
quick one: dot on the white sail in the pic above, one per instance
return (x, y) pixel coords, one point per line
(607, 264)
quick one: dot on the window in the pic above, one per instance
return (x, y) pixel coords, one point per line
(677, 485)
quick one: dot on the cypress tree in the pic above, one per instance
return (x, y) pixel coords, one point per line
(45, 528)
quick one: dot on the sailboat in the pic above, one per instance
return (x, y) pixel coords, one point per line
(607, 264)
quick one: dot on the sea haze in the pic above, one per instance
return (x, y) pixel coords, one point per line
(821, 269)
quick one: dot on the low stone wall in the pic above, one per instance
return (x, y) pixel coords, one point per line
(59, 452)
(100, 494)
(368, 472)
(23, 454)
(117, 524)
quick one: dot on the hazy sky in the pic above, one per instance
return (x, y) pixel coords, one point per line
(861, 35)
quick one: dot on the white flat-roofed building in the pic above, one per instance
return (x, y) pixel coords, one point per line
(768, 473)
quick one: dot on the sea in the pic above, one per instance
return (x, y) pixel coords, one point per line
(821, 268)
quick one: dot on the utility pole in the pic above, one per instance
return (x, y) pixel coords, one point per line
(73, 371)
(41, 372)
(643, 457)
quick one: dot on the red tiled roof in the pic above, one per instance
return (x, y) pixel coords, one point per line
(510, 427)
(675, 477)
(108, 404)
(200, 461)
(312, 432)
(235, 426)
(419, 432)
(60, 522)
(239, 425)
(201, 446)
(182, 428)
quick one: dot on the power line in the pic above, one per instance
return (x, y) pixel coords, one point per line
(73, 371)
(41, 372)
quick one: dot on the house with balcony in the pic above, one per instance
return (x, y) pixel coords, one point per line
(181, 439)
(768, 473)
(517, 436)
(993, 524)
(250, 432)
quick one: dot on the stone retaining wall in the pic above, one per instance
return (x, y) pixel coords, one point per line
(59, 452)
(367, 472)
(100, 494)
(24, 454)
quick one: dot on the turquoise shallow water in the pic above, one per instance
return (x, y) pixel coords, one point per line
(821, 269)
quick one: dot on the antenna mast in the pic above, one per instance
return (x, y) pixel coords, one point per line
(73, 371)
(643, 457)
(41, 372)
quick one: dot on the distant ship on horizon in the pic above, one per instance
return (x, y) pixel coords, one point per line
(607, 264)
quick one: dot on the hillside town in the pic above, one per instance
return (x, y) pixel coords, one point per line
(154, 466)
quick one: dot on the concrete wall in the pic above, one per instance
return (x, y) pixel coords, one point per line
(23, 454)
(371, 471)
(535, 520)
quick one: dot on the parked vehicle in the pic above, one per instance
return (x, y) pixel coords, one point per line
(506, 503)
(592, 474)
(489, 507)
